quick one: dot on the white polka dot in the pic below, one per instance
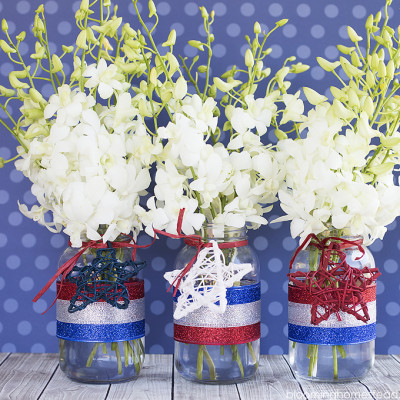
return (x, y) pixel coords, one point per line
(1, 7)
(2, 283)
(275, 350)
(359, 11)
(28, 240)
(317, 31)
(394, 349)
(190, 51)
(76, 5)
(264, 286)
(40, 306)
(64, 27)
(6, 68)
(4, 196)
(377, 245)
(47, 90)
(219, 9)
(15, 218)
(264, 330)
(289, 31)
(163, 8)
(156, 349)
(331, 11)
(303, 10)
(380, 287)
(392, 308)
(289, 244)
(391, 266)
(173, 244)
(26, 284)
(10, 305)
(8, 348)
(243, 49)
(16, 176)
(147, 285)
(202, 31)
(275, 10)
(275, 308)
(260, 243)
(392, 226)
(51, 328)
(285, 286)
(158, 263)
(275, 265)
(247, 9)
(219, 50)
(3, 240)
(303, 51)
(51, 7)
(285, 331)
(24, 328)
(147, 329)
(13, 261)
(1, 325)
(317, 73)
(233, 30)
(343, 32)
(42, 262)
(11, 27)
(57, 241)
(38, 348)
(29, 198)
(169, 329)
(179, 28)
(157, 307)
(272, 224)
(191, 9)
(380, 330)
(331, 52)
(23, 48)
(23, 7)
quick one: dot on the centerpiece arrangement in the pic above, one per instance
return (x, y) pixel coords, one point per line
(341, 192)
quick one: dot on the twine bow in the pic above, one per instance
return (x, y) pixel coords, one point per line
(335, 285)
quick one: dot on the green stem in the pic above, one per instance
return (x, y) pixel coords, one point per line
(200, 363)
(253, 355)
(335, 364)
(236, 357)
(115, 347)
(91, 355)
(210, 364)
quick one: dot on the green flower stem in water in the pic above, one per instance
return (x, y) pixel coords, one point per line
(253, 355)
(335, 367)
(236, 357)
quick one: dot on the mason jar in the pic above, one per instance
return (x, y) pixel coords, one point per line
(221, 348)
(341, 347)
(101, 341)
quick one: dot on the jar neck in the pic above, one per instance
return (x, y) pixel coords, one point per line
(222, 233)
(343, 234)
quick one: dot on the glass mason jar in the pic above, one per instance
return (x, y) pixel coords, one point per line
(102, 342)
(342, 347)
(222, 348)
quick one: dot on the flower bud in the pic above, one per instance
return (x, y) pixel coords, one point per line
(4, 25)
(152, 8)
(68, 49)
(15, 82)
(212, 37)
(299, 68)
(38, 24)
(128, 30)
(281, 22)
(171, 39)
(36, 96)
(378, 17)
(257, 28)
(369, 107)
(354, 37)
(21, 37)
(369, 23)
(355, 60)
(370, 78)
(327, 65)
(84, 5)
(196, 44)
(249, 59)
(180, 89)
(345, 49)
(6, 92)
(204, 13)
(202, 68)
(2, 162)
(313, 97)
(153, 76)
(381, 69)
(57, 64)
(280, 134)
(390, 69)
(6, 47)
(40, 9)
(107, 3)
(81, 40)
(212, 91)
(226, 86)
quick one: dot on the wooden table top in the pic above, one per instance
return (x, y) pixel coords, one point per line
(37, 376)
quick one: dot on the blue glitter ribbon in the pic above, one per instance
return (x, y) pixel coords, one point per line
(238, 294)
(332, 336)
(100, 333)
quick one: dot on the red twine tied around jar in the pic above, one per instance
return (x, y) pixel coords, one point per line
(67, 267)
(335, 286)
(194, 241)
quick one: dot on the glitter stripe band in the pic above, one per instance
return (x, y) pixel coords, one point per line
(217, 336)
(298, 295)
(100, 333)
(332, 336)
(234, 316)
(68, 290)
(300, 314)
(239, 294)
(101, 313)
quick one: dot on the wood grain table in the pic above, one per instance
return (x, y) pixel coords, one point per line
(37, 376)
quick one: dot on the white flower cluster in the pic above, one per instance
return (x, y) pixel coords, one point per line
(329, 183)
(92, 166)
(231, 185)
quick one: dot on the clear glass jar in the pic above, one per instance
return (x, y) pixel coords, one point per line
(88, 359)
(230, 361)
(347, 357)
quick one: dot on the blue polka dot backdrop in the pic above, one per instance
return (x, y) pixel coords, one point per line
(29, 253)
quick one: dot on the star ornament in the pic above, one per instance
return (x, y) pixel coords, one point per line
(206, 282)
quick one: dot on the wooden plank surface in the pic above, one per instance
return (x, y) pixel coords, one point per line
(24, 376)
(274, 380)
(3, 356)
(154, 381)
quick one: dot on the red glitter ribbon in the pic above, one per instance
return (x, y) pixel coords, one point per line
(194, 241)
(67, 267)
(217, 336)
(67, 290)
(334, 286)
